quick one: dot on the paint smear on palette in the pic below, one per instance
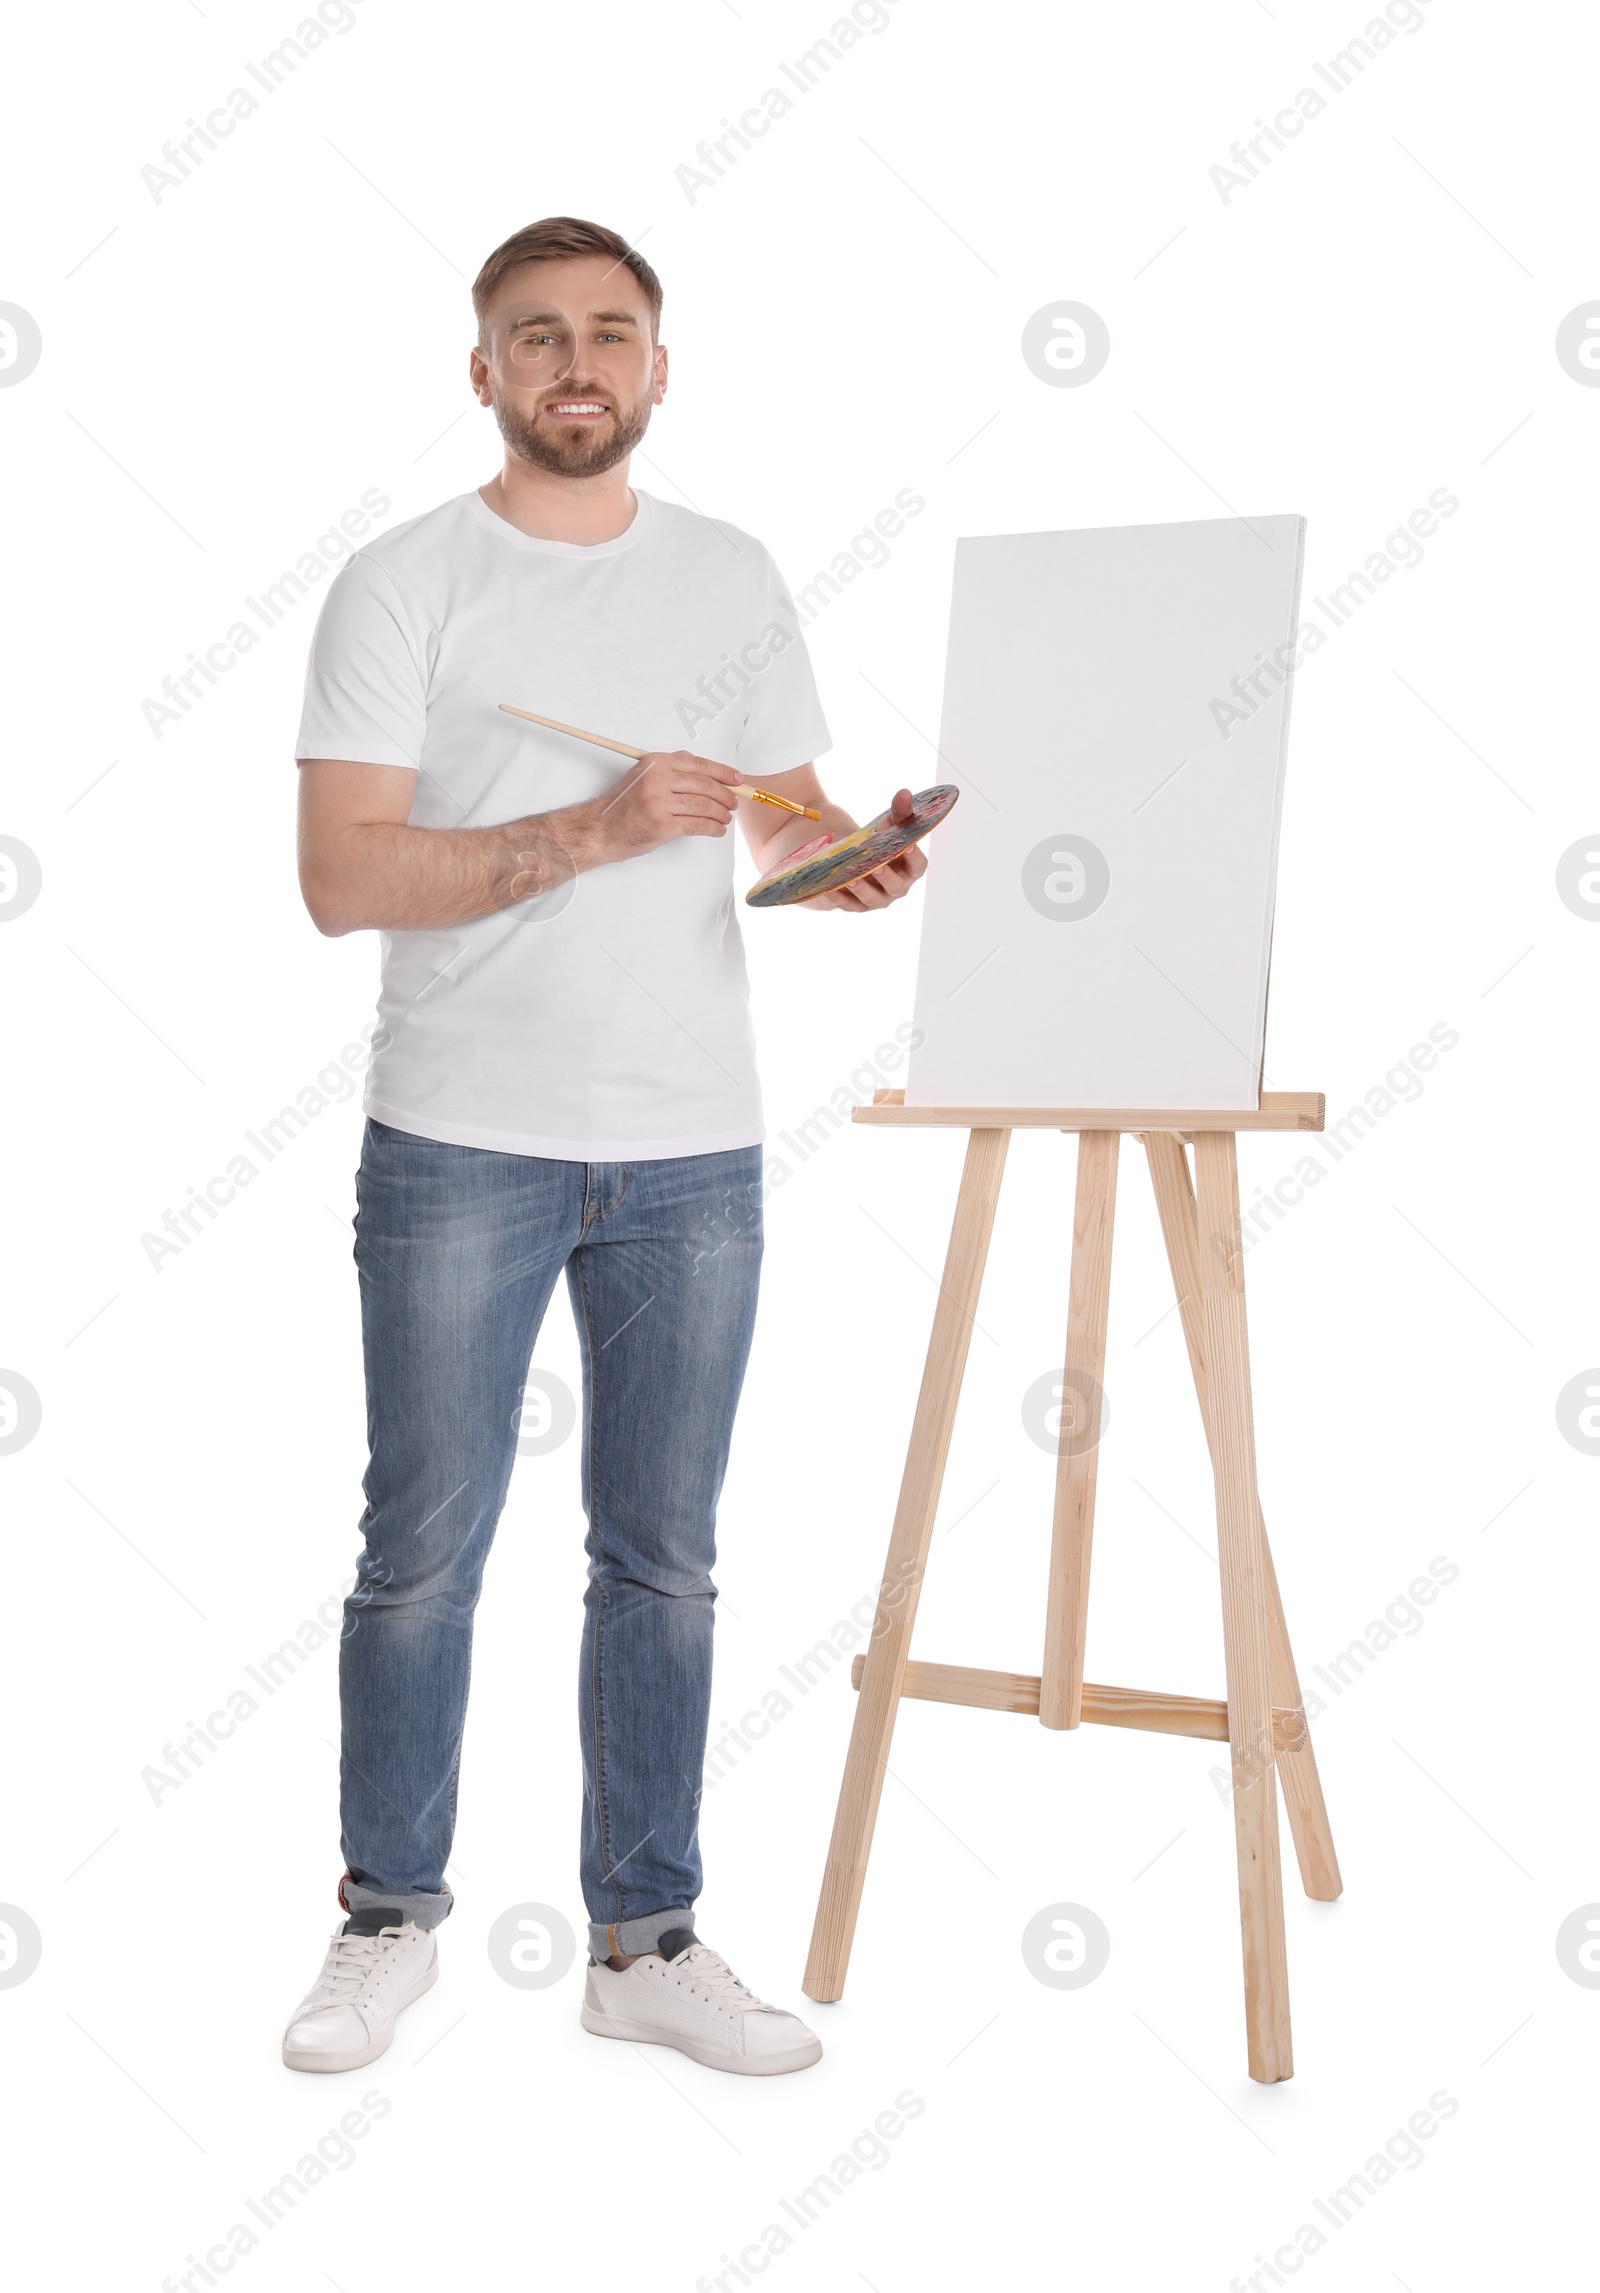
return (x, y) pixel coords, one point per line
(824, 867)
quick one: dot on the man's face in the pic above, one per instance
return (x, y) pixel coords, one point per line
(568, 364)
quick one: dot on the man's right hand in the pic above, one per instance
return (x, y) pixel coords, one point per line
(668, 793)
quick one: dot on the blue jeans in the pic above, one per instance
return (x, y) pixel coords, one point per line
(458, 1251)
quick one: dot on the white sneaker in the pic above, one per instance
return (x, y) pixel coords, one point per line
(694, 2001)
(347, 2017)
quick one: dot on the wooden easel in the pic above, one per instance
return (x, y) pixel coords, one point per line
(1263, 1720)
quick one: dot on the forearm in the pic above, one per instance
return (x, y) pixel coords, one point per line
(387, 876)
(771, 844)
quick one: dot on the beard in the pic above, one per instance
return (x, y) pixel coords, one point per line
(570, 451)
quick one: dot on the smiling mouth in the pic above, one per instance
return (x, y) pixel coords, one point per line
(578, 409)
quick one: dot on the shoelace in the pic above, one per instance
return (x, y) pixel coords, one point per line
(708, 1972)
(351, 1959)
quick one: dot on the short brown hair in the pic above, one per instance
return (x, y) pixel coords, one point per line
(555, 237)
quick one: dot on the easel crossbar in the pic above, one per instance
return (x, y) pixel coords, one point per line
(1145, 1708)
(1278, 1111)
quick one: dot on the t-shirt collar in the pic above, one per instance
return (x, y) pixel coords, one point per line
(479, 509)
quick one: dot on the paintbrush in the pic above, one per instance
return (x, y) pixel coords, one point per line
(740, 788)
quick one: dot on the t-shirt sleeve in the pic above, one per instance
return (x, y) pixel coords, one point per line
(784, 726)
(365, 692)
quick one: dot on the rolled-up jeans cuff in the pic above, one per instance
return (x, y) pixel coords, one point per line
(625, 1938)
(427, 1910)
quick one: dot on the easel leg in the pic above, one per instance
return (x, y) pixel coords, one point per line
(1244, 1610)
(890, 1645)
(1089, 1292)
(1302, 1785)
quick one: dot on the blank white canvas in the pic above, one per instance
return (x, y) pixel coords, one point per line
(1098, 916)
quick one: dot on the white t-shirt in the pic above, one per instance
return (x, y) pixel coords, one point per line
(609, 1019)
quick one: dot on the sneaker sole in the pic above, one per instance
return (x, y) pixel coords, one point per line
(714, 2057)
(361, 2056)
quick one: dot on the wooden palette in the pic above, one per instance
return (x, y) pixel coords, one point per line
(826, 866)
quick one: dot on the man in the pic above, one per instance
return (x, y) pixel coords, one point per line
(563, 1079)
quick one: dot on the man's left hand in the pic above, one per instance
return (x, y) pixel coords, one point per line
(886, 884)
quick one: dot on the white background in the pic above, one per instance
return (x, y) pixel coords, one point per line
(224, 372)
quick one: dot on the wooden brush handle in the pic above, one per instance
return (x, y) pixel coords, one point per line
(598, 740)
(621, 748)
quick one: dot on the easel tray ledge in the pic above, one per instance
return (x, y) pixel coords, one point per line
(1278, 1111)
